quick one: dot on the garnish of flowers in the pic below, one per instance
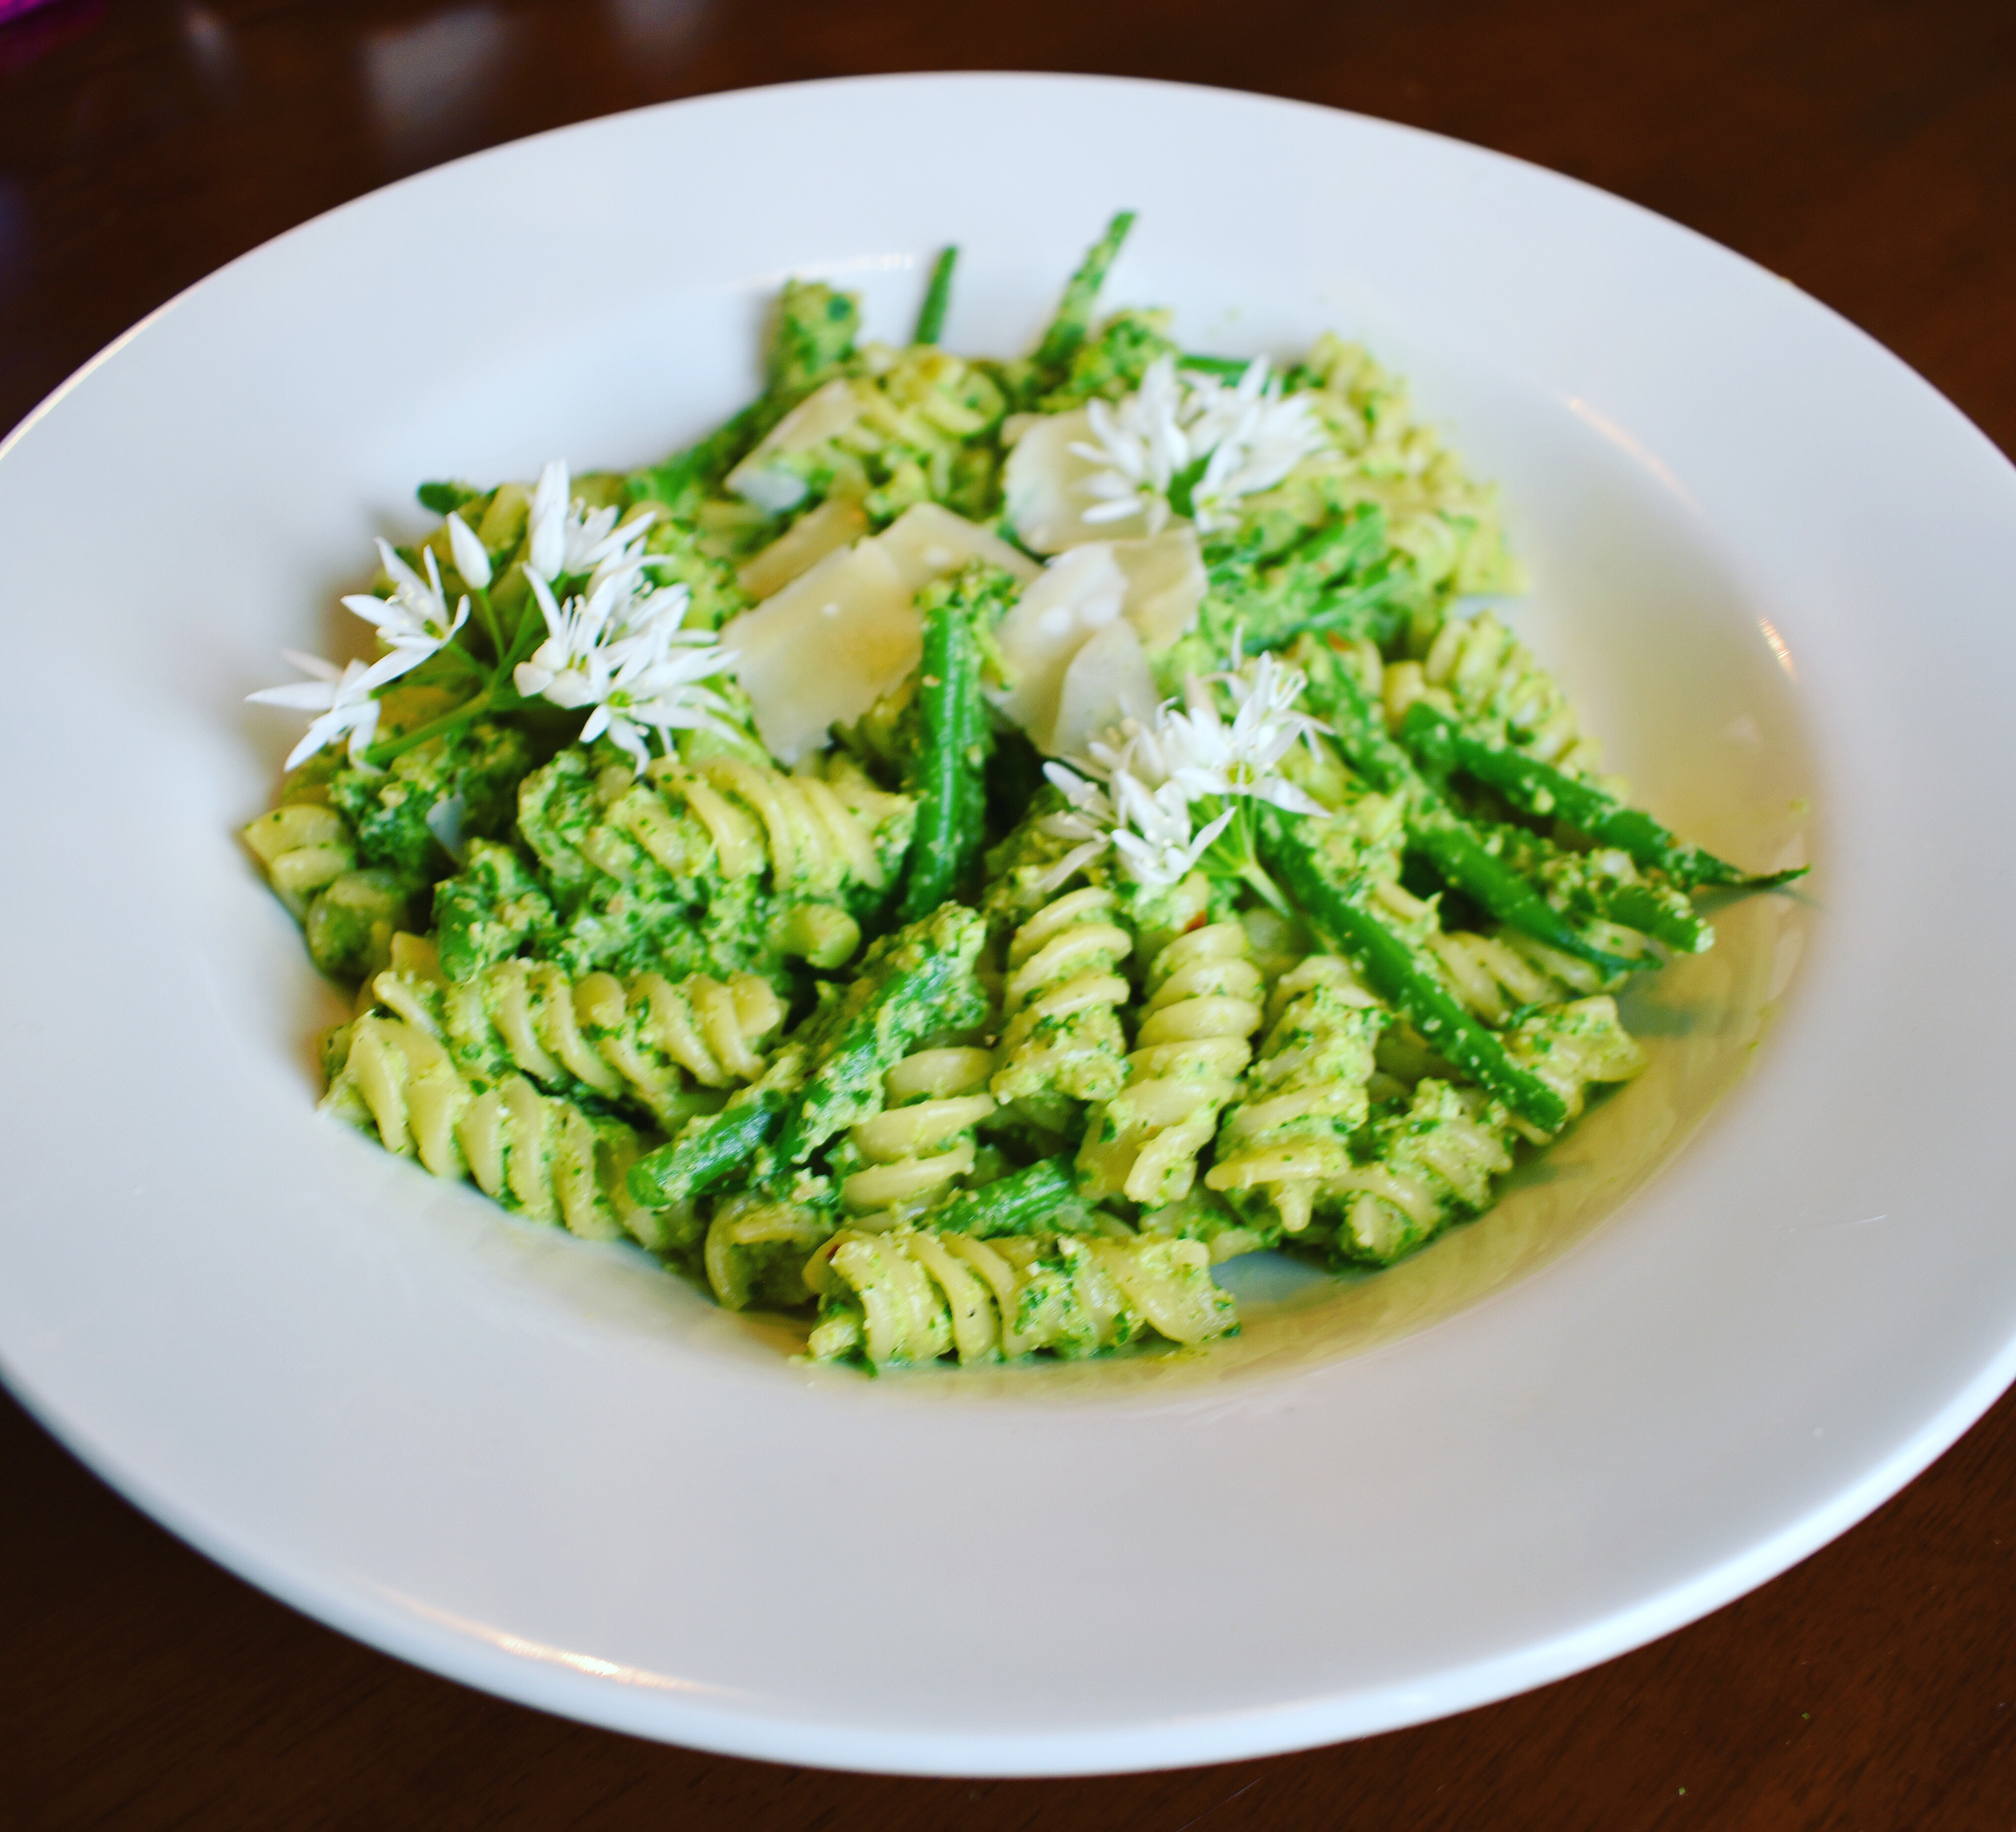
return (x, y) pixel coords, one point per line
(607, 638)
(1193, 445)
(1180, 794)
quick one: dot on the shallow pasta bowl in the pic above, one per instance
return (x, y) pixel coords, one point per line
(1742, 1303)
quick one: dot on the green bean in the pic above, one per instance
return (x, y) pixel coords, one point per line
(708, 1149)
(1025, 1200)
(1333, 579)
(1669, 919)
(1540, 789)
(948, 773)
(1601, 883)
(915, 983)
(1067, 329)
(1446, 841)
(1433, 829)
(687, 475)
(1399, 972)
(1354, 721)
(937, 298)
(1368, 607)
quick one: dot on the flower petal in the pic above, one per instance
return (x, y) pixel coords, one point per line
(471, 558)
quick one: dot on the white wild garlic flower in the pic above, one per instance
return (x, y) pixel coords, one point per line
(415, 621)
(1148, 825)
(617, 648)
(567, 537)
(1141, 449)
(412, 624)
(345, 698)
(1134, 790)
(1247, 436)
(622, 653)
(1255, 436)
(1211, 758)
(472, 559)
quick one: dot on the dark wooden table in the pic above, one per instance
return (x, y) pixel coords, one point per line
(1865, 149)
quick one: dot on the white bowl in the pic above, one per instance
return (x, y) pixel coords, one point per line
(1770, 560)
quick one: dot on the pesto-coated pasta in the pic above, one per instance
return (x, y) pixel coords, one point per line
(647, 1042)
(1433, 1162)
(1304, 1096)
(811, 836)
(543, 1156)
(1476, 666)
(1203, 1005)
(305, 846)
(1494, 975)
(756, 1250)
(914, 1295)
(922, 1141)
(915, 857)
(1572, 1047)
(1061, 1002)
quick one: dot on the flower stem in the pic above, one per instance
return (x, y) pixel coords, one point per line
(1234, 855)
(488, 613)
(1268, 892)
(380, 754)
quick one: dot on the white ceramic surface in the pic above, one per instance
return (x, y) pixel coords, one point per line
(1774, 560)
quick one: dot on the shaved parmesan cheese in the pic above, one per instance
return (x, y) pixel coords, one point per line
(1153, 586)
(1109, 680)
(830, 643)
(1079, 592)
(1044, 485)
(825, 648)
(837, 522)
(927, 541)
(823, 415)
(1166, 585)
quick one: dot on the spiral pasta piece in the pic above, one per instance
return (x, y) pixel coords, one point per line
(814, 837)
(923, 1140)
(1572, 1047)
(304, 846)
(1061, 1002)
(543, 1156)
(915, 1295)
(1203, 1005)
(767, 864)
(756, 1250)
(348, 912)
(647, 1042)
(1305, 1095)
(1493, 976)
(1430, 1164)
(1485, 672)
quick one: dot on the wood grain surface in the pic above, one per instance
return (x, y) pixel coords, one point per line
(1865, 150)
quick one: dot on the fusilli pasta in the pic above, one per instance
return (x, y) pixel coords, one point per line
(1572, 1047)
(543, 1156)
(914, 1295)
(922, 1139)
(1429, 1164)
(1203, 1005)
(1305, 1096)
(887, 920)
(757, 1246)
(1061, 1002)
(1476, 667)
(647, 1042)
(304, 846)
